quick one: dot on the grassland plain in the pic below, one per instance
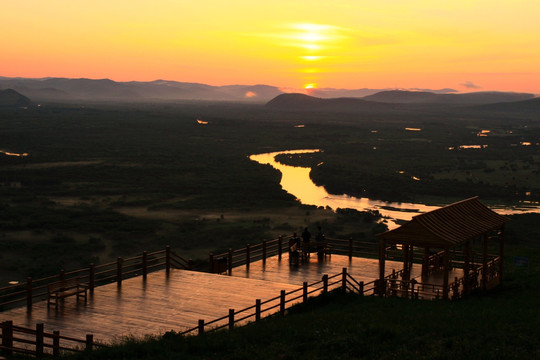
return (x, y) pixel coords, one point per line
(103, 180)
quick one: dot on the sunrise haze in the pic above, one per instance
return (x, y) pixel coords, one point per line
(464, 45)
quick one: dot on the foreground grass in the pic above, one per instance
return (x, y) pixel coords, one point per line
(503, 324)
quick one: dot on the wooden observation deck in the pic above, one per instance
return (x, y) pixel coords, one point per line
(257, 281)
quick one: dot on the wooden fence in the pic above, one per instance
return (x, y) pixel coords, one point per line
(283, 301)
(225, 262)
(95, 275)
(37, 342)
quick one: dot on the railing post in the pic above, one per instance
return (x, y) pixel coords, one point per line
(201, 327)
(257, 309)
(501, 253)
(211, 263)
(280, 244)
(446, 265)
(344, 279)
(40, 329)
(62, 275)
(361, 288)
(304, 291)
(91, 278)
(119, 262)
(350, 248)
(89, 342)
(282, 302)
(231, 319)
(325, 283)
(484, 262)
(56, 343)
(7, 336)
(144, 264)
(29, 293)
(264, 251)
(167, 259)
(248, 257)
(229, 261)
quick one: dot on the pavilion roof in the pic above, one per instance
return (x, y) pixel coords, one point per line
(448, 226)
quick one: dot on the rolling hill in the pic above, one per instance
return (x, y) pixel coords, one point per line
(306, 102)
(62, 89)
(11, 98)
(423, 97)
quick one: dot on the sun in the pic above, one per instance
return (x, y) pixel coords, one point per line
(310, 86)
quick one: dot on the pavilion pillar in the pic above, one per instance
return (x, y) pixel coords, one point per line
(411, 258)
(484, 261)
(446, 268)
(382, 259)
(467, 268)
(406, 262)
(501, 253)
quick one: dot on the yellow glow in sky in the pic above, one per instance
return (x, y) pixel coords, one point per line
(466, 45)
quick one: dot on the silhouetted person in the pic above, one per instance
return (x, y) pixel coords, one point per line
(321, 241)
(306, 237)
(296, 240)
(294, 244)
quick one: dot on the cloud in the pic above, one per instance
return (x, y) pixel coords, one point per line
(470, 85)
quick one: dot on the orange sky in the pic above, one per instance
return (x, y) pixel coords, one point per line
(467, 45)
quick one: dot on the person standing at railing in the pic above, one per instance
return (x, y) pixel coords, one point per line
(294, 244)
(295, 240)
(321, 242)
(306, 237)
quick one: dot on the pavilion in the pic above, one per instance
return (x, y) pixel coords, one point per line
(448, 237)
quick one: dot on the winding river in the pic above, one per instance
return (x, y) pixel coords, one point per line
(296, 181)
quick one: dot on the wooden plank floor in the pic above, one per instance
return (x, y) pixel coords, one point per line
(361, 269)
(178, 301)
(158, 305)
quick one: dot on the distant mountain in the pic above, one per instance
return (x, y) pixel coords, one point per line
(60, 89)
(422, 97)
(64, 89)
(328, 93)
(12, 98)
(408, 100)
(306, 102)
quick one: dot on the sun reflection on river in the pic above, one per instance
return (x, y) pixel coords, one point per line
(296, 181)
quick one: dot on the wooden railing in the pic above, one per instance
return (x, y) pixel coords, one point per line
(225, 262)
(282, 302)
(413, 289)
(354, 248)
(37, 342)
(95, 275)
(396, 286)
